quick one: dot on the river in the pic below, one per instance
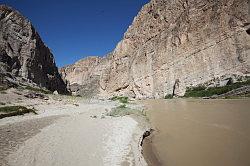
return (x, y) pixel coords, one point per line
(196, 132)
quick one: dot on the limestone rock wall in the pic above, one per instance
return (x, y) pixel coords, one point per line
(175, 44)
(83, 77)
(81, 70)
(23, 53)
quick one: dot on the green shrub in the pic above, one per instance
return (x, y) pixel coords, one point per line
(169, 96)
(8, 111)
(114, 98)
(121, 99)
(199, 88)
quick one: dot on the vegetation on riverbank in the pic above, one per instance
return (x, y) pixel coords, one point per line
(124, 110)
(202, 91)
(9, 111)
(121, 99)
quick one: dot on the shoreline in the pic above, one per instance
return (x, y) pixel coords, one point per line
(149, 152)
(81, 133)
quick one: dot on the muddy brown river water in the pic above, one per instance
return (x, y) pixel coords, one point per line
(194, 132)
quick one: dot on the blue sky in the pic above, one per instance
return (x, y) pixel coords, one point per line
(74, 29)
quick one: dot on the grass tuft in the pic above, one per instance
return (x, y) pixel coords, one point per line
(38, 90)
(9, 111)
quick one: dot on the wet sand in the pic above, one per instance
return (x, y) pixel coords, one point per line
(199, 132)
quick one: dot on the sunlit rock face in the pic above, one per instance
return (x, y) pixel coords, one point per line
(83, 77)
(172, 45)
(23, 53)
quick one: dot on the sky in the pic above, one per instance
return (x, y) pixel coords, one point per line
(74, 29)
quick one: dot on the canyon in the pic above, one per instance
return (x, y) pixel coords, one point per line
(170, 46)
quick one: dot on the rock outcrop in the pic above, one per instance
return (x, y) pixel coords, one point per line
(172, 45)
(23, 53)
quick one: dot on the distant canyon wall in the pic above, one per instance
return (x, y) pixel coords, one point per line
(172, 45)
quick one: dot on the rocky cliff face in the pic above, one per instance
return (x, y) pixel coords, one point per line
(23, 53)
(172, 45)
(83, 78)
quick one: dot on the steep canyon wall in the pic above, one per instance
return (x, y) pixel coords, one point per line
(172, 45)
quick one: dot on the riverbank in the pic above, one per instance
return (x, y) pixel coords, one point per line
(193, 132)
(70, 131)
(150, 153)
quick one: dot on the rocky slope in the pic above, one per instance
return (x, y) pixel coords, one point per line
(24, 55)
(172, 45)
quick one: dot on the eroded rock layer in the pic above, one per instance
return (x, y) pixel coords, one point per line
(172, 45)
(23, 54)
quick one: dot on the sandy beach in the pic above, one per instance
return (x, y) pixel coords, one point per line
(71, 132)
